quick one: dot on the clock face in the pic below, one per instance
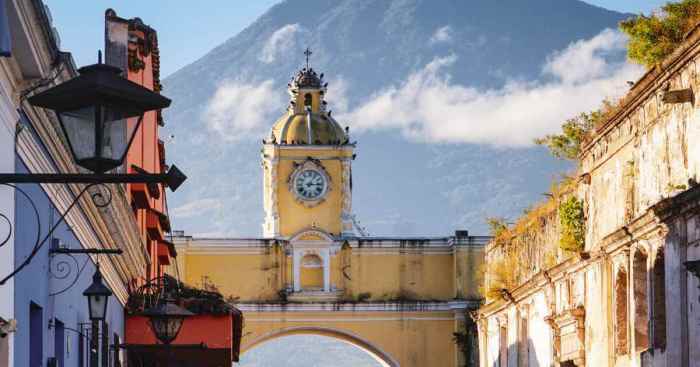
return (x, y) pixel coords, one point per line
(310, 184)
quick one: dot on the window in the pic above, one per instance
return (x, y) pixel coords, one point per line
(641, 303)
(104, 350)
(621, 312)
(59, 342)
(307, 100)
(5, 39)
(503, 347)
(36, 335)
(523, 342)
(659, 303)
(117, 350)
(81, 349)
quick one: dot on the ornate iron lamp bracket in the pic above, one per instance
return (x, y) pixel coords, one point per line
(62, 263)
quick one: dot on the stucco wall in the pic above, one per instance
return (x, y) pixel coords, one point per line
(8, 119)
(260, 274)
(35, 284)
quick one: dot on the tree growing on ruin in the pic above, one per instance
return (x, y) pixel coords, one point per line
(654, 37)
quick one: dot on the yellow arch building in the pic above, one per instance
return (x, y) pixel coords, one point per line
(314, 272)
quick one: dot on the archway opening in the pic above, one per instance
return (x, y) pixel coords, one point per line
(308, 350)
(313, 346)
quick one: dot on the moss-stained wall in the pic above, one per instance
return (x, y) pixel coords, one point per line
(361, 273)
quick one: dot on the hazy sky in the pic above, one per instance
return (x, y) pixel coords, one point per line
(188, 30)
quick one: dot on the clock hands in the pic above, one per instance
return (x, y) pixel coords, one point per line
(310, 184)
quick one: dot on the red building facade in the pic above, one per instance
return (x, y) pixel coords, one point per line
(212, 336)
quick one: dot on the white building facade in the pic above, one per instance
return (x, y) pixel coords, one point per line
(631, 296)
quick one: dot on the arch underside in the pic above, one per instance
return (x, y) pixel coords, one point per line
(380, 356)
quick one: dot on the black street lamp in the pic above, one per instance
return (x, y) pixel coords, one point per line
(97, 295)
(166, 320)
(94, 110)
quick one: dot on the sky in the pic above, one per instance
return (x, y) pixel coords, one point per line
(188, 30)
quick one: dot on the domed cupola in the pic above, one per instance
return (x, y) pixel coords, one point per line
(307, 120)
(307, 79)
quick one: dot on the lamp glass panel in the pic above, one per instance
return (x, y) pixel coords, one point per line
(98, 307)
(117, 133)
(175, 324)
(79, 126)
(166, 328)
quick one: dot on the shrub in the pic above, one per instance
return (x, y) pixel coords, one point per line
(576, 130)
(654, 37)
(572, 225)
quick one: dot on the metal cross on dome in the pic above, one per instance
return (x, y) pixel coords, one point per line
(307, 53)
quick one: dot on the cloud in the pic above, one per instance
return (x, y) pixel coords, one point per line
(586, 59)
(442, 35)
(196, 208)
(240, 109)
(337, 95)
(429, 107)
(279, 43)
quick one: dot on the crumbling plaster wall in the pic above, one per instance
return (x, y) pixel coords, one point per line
(647, 154)
(656, 144)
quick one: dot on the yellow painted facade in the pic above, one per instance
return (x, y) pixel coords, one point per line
(401, 299)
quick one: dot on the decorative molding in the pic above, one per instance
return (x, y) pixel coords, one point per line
(272, 218)
(569, 332)
(346, 217)
(333, 307)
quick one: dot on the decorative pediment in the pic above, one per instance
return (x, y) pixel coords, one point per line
(313, 235)
(569, 332)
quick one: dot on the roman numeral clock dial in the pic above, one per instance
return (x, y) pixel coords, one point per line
(310, 185)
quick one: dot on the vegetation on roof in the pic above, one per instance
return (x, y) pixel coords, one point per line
(527, 247)
(523, 248)
(199, 301)
(654, 37)
(577, 130)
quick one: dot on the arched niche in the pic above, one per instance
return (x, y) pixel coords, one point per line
(311, 272)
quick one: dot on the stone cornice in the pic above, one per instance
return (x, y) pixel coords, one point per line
(366, 245)
(647, 85)
(685, 202)
(347, 147)
(408, 306)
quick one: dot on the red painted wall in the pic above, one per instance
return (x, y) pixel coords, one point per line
(215, 331)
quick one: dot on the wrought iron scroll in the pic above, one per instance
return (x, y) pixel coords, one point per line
(62, 266)
(9, 229)
(152, 292)
(101, 198)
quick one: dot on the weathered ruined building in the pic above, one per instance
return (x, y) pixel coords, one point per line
(630, 295)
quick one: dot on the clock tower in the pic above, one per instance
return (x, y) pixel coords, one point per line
(307, 166)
